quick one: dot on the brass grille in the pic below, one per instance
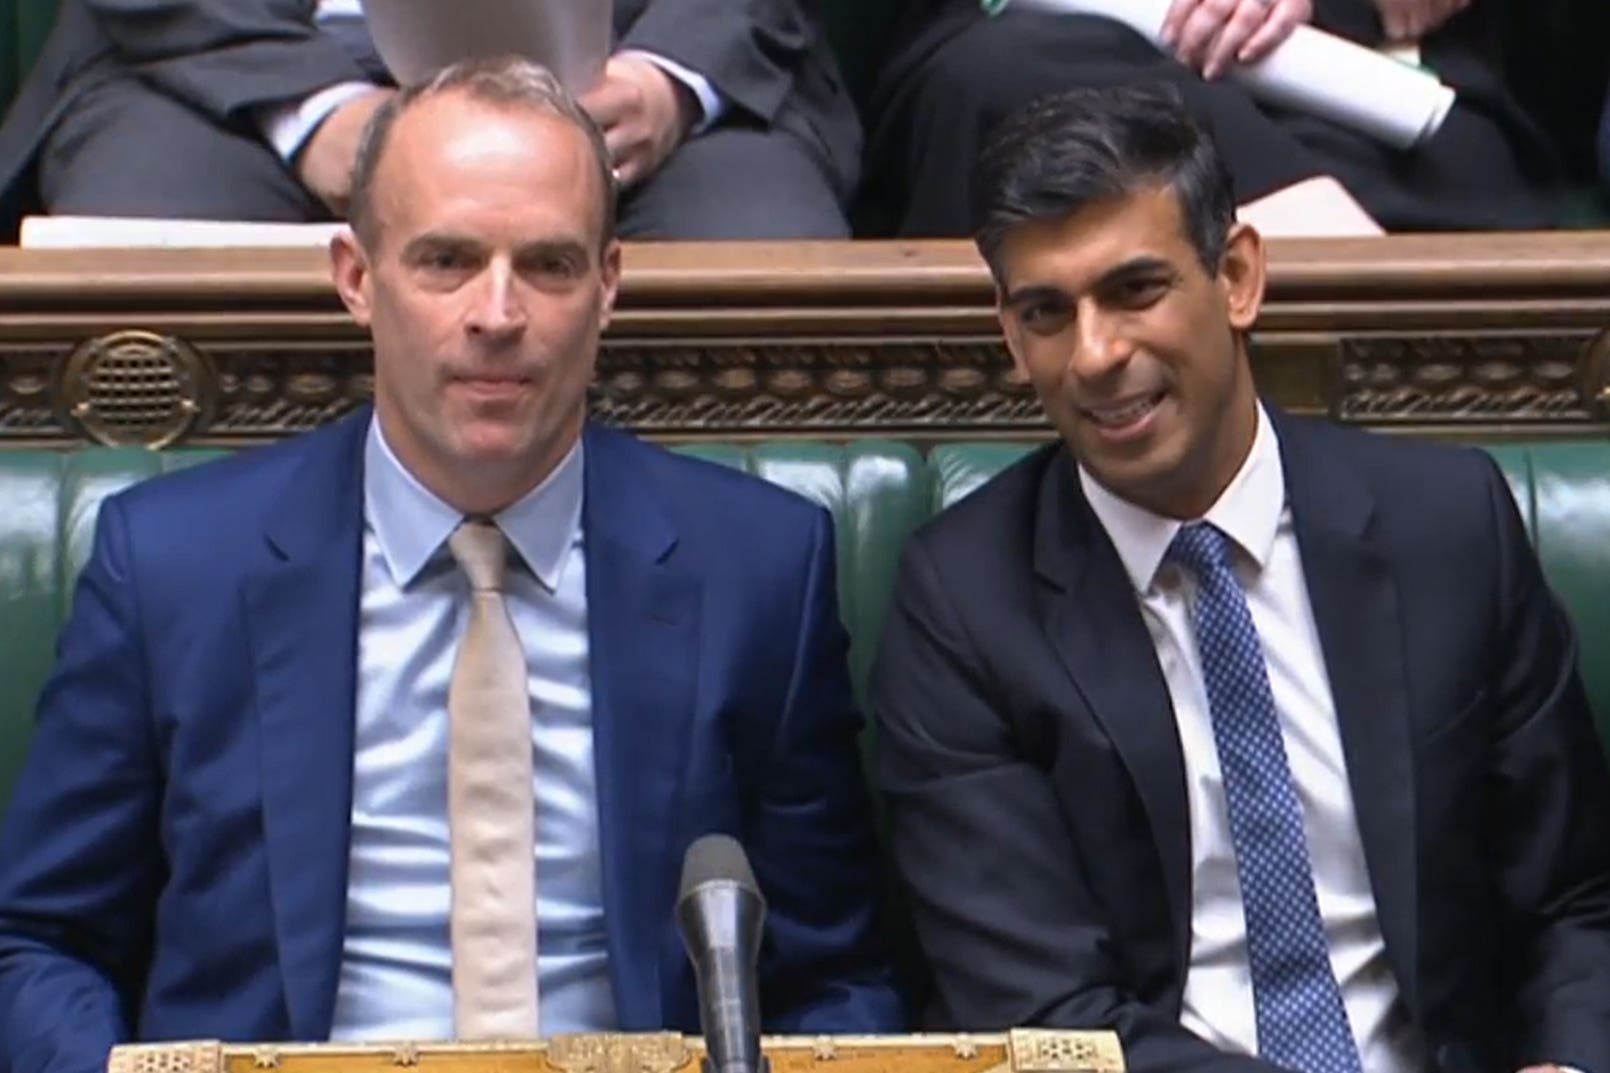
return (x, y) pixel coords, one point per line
(135, 388)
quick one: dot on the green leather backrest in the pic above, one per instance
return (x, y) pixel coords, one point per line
(46, 527)
(1563, 491)
(878, 492)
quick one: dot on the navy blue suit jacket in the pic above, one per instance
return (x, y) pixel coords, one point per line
(1037, 791)
(174, 863)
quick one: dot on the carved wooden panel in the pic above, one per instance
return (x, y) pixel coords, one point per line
(1486, 334)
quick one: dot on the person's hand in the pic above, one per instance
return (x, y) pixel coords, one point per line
(1213, 35)
(1544, 1069)
(1410, 20)
(324, 165)
(644, 112)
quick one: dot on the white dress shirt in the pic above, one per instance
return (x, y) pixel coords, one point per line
(1218, 1004)
(396, 962)
(287, 126)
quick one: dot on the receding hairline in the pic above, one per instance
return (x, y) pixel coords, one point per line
(516, 109)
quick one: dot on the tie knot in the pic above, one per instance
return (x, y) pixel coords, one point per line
(481, 551)
(1202, 548)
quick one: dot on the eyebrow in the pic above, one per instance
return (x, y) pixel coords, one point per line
(570, 247)
(437, 240)
(442, 240)
(1142, 265)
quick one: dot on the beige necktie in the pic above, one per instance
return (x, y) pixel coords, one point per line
(490, 810)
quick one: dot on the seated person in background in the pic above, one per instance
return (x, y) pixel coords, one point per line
(314, 703)
(1256, 738)
(953, 72)
(723, 120)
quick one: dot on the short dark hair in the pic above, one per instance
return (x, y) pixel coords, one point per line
(501, 80)
(1070, 149)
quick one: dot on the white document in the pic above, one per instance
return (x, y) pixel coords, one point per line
(80, 232)
(417, 38)
(1311, 71)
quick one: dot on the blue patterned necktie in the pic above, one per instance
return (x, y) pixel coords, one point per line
(1302, 1024)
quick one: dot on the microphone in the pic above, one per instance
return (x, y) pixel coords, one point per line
(720, 912)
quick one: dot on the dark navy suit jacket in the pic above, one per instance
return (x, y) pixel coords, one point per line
(1037, 789)
(174, 863)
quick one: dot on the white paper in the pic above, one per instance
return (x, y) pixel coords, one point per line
(417, 38)
(79, 232)
(1311, 71)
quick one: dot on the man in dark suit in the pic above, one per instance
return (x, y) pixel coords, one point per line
(1256, 738)
(724, 120)
(240, 818)
(952, 72)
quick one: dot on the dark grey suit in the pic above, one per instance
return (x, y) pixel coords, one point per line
(119, 76)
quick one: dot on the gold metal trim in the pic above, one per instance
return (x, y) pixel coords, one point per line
(1040, 1050)
(618, 1052)
(199, 1057)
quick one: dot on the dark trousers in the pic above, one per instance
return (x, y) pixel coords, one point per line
(1604, 146)
(123, 149)
(1475, 173)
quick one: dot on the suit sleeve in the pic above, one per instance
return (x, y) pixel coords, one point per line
(1547, 808)
(750, 50)
(225, 57)
(1002, 911)
(80, 857)
(810, 836)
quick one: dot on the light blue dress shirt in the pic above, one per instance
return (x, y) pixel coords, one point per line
(396, 962)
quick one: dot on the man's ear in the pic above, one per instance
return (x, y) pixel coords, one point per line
(349, 269)
(609, 271)
(1242, 274)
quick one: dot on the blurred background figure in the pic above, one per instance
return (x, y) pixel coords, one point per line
(724, 120)
(952, 71)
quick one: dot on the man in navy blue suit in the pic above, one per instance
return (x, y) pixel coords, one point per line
(235, 819)
(1257, 739)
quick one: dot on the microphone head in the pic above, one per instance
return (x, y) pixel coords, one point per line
(716, 858)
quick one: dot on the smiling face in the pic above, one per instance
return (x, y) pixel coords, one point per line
(1134, 347)
(486, 284)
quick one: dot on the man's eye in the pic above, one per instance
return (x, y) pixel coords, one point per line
(442, 261)
(1043, 316)
(555, 266)
(1139, 292)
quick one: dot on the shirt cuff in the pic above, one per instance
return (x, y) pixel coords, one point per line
(712, 104)
(287, 126)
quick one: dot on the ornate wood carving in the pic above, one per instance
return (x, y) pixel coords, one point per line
(1471, 379)
(1490, 334)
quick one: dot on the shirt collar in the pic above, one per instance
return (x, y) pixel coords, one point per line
(1248, 512)
(411, 524)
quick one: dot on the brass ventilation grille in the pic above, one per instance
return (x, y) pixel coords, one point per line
(135, 389)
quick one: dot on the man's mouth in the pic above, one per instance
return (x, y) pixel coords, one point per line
(1123, 414)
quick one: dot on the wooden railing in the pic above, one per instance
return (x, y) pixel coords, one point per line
(1480, 334)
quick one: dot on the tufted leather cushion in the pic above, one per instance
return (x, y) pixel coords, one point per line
(877, 490)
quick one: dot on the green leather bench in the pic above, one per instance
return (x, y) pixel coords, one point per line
(878, 491)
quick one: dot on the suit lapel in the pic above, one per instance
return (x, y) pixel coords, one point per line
(1355, 602)
(643, 621)
(1092, 616)
(302, 626)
